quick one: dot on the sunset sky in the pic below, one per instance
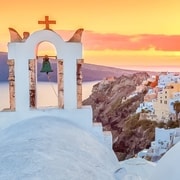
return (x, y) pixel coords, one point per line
(123, 33)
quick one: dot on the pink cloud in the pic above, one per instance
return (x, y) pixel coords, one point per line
(97, 41)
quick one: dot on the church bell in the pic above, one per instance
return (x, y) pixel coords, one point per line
(46, 66)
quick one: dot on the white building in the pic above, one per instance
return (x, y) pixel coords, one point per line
(168, 166)
(164, 140)
(146, 106)
(167, 78)
(164, 103)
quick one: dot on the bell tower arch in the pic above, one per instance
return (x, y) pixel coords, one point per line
(43, 73)
(69, 55)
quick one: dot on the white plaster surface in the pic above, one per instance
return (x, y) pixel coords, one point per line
(168, 166)
(46, 148)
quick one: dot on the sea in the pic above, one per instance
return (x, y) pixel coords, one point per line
(46, 93)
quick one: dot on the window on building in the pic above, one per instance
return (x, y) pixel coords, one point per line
(160, 101)
(165, 102)
(165, 97)
(166, 92)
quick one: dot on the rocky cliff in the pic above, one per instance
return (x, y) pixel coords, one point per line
(114, 104)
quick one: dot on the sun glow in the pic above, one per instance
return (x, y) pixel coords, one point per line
(124, 32)
(46, 48)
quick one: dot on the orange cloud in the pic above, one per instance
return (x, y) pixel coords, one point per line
(113, 41)
(94, 41)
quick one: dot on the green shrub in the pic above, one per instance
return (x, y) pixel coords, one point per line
(172, 124)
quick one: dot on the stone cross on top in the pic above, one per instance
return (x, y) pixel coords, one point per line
(47, 22)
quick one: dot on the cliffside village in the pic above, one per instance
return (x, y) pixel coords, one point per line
(163, 94)
(160, 103)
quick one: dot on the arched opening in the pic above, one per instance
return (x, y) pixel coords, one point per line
(44, 81)
(47, 94)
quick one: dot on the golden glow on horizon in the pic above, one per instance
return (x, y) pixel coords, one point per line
(133, 58)
(150, 52)
(115, 16)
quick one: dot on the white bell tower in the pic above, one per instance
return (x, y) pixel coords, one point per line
(22, 54)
